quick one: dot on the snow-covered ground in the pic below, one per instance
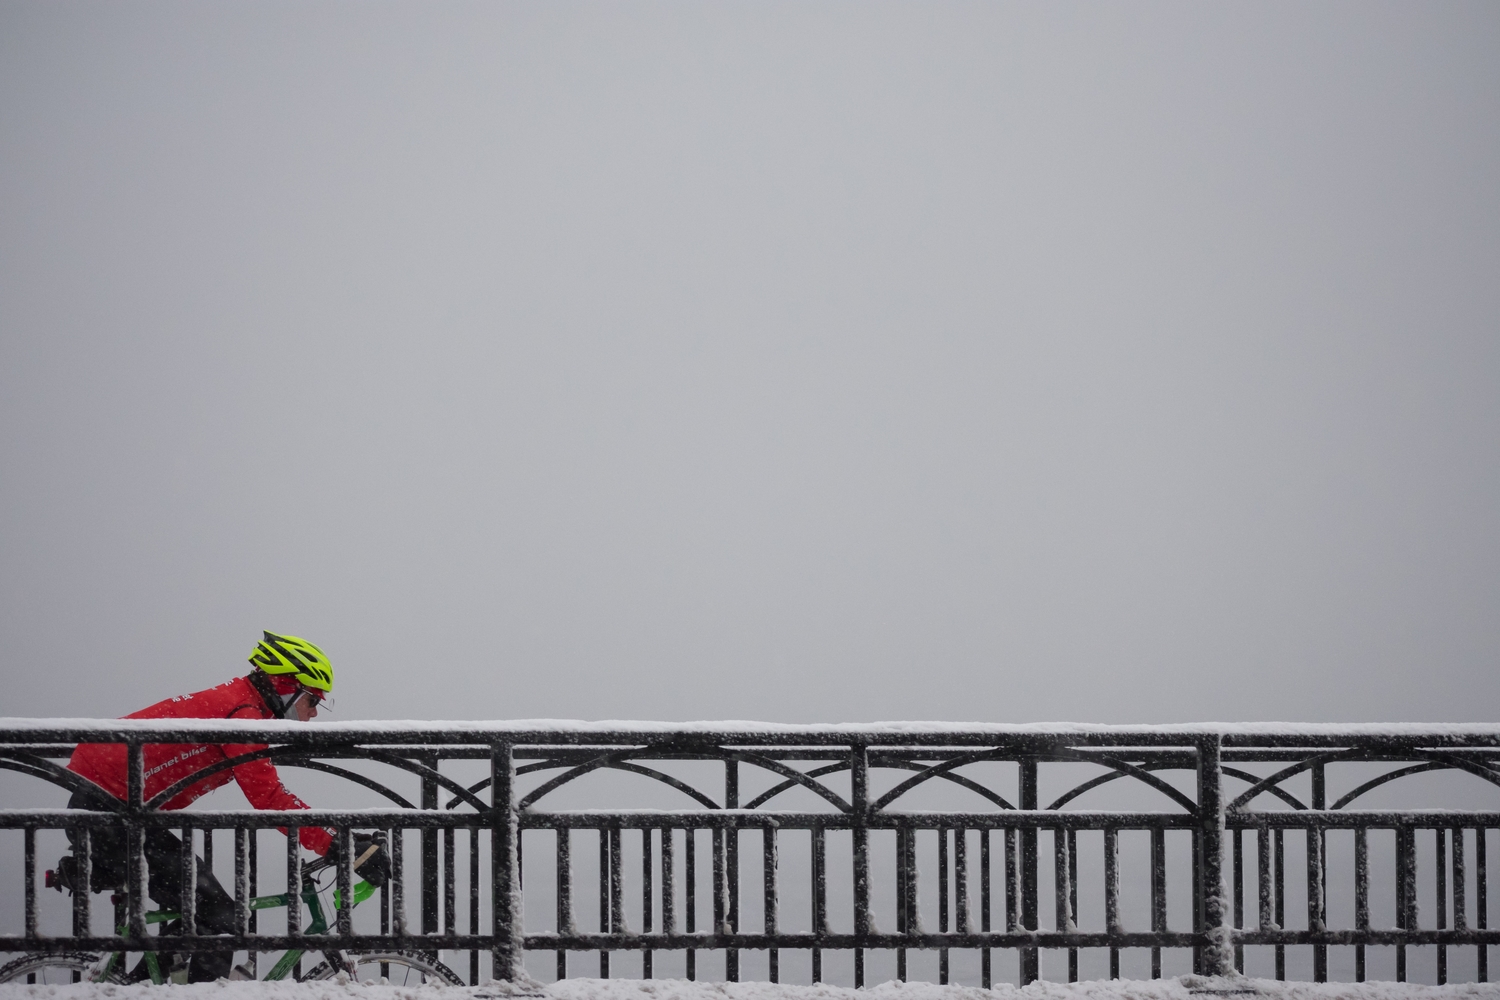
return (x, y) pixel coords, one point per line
(1182, 988)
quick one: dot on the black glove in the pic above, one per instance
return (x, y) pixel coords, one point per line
(376, 866)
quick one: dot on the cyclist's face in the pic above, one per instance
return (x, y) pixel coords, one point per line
(306, 706)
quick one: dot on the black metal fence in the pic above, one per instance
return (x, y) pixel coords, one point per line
(1241, 821)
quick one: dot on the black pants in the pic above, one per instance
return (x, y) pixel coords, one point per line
(108, 853)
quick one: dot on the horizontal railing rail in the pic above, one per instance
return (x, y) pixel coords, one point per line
(806, 840)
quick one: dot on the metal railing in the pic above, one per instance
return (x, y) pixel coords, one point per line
(1229, 805)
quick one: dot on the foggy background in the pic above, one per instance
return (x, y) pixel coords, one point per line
(803, 362)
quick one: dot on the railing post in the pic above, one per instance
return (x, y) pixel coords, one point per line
(859, 787)
(1030, 958)
(504, 832)
(1317, 868)
(429, 847)
(135, 839)
(732, 868)
(1218, 950)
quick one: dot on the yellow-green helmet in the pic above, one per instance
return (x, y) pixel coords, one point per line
(287, 654)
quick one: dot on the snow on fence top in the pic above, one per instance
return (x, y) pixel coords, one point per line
(736, 731)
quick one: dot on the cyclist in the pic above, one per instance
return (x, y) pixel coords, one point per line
(290, 680)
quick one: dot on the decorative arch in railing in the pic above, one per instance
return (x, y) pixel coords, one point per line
(1436, 761)
(44, 769)
(1231, 772)
(40, 767)
(1119, 769)
(297, 757)
(623, 760)
(834, 768)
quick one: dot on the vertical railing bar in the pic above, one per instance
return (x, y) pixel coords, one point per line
(617, 921)
(1265, 919)
(450, 880)
(1072, 901)
(690, 894)
(820, 897)
(1400, 902)
(84, 871)
(617, 882)
(345, 921)
(293, 882)
(1440, 879)
(605, 909)
(1361, 895)
(648, 892)
(208, 850)
(1198, 901)
(241, 880)
(253, 890)
(942, 890)
(1481, 901)
(913, 885)
(1280, 920)
(1413, 907)
(902, 833)
(1406, 867)
(1112, 924)
(565, 924)
(985, 906)
(1158, 893)
(669, 880)
(1239, 897)
(770, 862)
(961, 921)
(1314, 899)
(1060, 878)
(29, 850)
(387, 894)
(474, 833)
(720, 891)
(1060, 881)
(1460, 880)
(1012, 887)
(188, 872)
(398, 880)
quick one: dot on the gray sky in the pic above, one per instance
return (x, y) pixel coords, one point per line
(808, 362)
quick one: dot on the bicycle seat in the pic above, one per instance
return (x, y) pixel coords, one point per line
(65, 876)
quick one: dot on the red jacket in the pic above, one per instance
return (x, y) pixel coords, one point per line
(169, 763)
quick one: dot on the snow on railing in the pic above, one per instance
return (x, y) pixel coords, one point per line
(844, 828)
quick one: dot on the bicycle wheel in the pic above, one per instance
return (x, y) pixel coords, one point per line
(401, 968)
(57, 970)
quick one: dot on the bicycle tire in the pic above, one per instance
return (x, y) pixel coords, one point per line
(427, 968)
(67, 962)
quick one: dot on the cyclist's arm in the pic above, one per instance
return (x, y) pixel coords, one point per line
(262, 786)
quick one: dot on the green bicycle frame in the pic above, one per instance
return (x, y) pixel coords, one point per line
(318, 925)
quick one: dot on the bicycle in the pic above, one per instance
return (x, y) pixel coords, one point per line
(72, 967)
